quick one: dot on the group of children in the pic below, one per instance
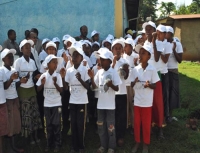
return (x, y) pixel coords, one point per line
(130, 82)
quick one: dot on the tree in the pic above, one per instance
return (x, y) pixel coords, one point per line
(167, 8)
(148, 8)
(182, 10)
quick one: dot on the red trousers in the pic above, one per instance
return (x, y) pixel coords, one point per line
(158, 106)
(142, 117)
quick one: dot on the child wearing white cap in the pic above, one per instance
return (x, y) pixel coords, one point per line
(121, 66)
(95, 36)
(43, 54)
(107, 81)
(12, 100)
(132, 59)
(30, 115)
(174, 59)
(107, 43)
(51, 81)
(64, 49)
(78, 80)
(56, 40)
(143, 79)
(95, 47)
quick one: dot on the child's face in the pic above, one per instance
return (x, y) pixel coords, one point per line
(88, 51)
(51, 50)
(8, 59)
(57, 45)
(128, 49)
(117, 50)
(107, 45)
(149, 30)
(168, 35)
(144, 56)
(52, 65)
(76, 58)
(95, 47)
(160, 35)
(105, 63)
(26, 50)
(69, 44)
(95, 37)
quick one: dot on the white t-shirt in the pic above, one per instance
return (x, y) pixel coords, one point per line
(52, 96)
(96, 93)
(24, 67)
(78, 92)
(160, 48)
(2, 91)
(172, 62)
(88, 60)
(60, 66)
(144, 96)
(106, 99)
(61, 51)
(36, 57)
(11, 92)
(93, 59)
(167, 50)
(70, 65)
(42, 55)
(122, 87)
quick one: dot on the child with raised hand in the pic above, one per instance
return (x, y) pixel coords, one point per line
(30, 115)
(122, 67)
(144, 78)
(52, 84)
(107, 81)
(78, 80)
(12, 101)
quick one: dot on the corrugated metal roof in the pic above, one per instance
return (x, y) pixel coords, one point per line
(188, 16)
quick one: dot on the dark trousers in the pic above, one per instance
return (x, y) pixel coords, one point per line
(78, 117)
(165, 92)
(120, 115)
(53, 125)
(65, 107)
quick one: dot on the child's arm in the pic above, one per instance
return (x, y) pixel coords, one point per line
(40, 87)
(85, 84)
(165, 57)
(134, 82)
(150, 85)
(114, 61)
(12, 77)
(91, 74)
(178, 56)
(60, 89)
(156, 53)
(110, 84)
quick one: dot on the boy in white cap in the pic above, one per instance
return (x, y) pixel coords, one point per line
(78, 80)
(64, 49)
(144, 78)
(174, 59)
(52, 84)
(95, 36)
(12, 101)
(30, 115)
(43, 54)
(95, 47)
(122, 67)
(107, 43)
(157, 49)
(132, 59)
(107, 81)
(56, 40)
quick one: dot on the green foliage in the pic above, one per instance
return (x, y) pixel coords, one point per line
(167, 8)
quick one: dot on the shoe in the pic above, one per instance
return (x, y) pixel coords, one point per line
(120, 142)
(101, 150)
(111, 151)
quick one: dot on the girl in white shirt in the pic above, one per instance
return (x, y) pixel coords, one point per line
(30, 115)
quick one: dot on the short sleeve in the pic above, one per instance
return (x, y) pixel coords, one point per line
(34, 66)
(17, 65)
(86, 77)
(155, 78)
(168, 48)
(159, 46)
(116, 79)
(39, 80)
(179, 47)
(132, 75)
(67, 78)
(59, 80)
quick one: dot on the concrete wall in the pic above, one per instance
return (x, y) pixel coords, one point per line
(56, 17)
(190, 39)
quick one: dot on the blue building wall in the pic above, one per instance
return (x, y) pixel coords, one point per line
(56, 17)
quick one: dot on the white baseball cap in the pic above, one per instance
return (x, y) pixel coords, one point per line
(161, 28)
(87, 42)
(134, 31)
(94, 32)
(52, 44)
(146, 47)
(169, 29)
(6, 52)
(0, 47)
(95, 43)
(104, 53)
(130, 41)
(128, 36)
(56, 39)
(50, 57)
(76, 46)
(25, 41)
(141, 32)
(149, 23)
(45, 40)
(70, 39)
(65, 37)
(111, 37)
(106, 40)
(118, 41)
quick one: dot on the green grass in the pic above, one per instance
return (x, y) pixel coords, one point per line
(178, 139)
